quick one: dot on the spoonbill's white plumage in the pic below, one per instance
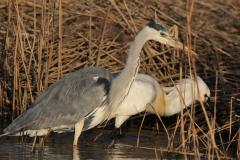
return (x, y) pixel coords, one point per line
(166, 100)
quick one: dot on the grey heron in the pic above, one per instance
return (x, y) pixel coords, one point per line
(88, 92)
(72, 98)
(165, 100)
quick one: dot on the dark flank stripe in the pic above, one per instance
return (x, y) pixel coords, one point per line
(136, 71)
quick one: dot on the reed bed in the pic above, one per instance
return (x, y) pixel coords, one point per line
(42, 41)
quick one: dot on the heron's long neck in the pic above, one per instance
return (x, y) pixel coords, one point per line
(131, 68)
(121, 85)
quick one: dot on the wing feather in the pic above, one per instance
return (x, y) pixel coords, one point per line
(73, 97)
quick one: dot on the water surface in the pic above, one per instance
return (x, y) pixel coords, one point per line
(59, 146)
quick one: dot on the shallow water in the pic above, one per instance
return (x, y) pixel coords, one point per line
(59, 146)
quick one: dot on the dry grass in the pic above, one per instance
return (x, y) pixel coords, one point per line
(42, 41)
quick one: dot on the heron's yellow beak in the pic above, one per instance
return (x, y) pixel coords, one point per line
(175, 43)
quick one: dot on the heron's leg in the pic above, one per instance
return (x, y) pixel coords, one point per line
(120, 119)
(78, 130)
(121, 134)
(114, 131)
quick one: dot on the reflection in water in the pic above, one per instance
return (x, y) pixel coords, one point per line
(59, 146)
(11, 149)
(75, 153)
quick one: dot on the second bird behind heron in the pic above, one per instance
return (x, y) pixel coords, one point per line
(166, 100)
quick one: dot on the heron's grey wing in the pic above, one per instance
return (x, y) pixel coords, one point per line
(73, 97)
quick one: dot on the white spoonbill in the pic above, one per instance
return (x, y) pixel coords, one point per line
(166, 100)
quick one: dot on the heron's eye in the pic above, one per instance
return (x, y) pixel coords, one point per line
(205, 95)
(162, 34)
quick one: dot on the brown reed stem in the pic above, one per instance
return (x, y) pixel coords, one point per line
(34, 142)
(141, 125)
(60, 41)
(97, 137)
(161, 121)
(102, 37)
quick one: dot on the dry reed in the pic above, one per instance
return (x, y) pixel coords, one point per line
(42, 41)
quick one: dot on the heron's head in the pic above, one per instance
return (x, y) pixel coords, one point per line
(160, 33)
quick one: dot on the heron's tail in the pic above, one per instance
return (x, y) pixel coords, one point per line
(5, 134)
